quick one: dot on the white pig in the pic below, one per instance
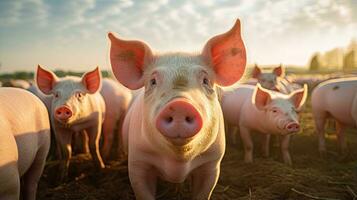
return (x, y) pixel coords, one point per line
(76, 107)
(335, 99)
(117, 99)
(174, 128)
(270, 80)
(24, 143)
(255, 109)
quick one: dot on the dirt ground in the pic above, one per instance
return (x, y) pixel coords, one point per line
(310, 177)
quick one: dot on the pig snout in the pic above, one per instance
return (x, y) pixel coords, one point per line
(63, 113)
(179, 119)
(292, 127)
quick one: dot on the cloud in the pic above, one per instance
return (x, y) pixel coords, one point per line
(23, 12)
(274, 31)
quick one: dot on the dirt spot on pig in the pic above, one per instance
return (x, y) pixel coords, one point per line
(126, 55)
(336, 87)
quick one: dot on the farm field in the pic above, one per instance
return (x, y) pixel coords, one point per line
(310, 177)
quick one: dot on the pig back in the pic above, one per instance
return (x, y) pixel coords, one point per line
(338, 98)
(25, 117)
(233, 101)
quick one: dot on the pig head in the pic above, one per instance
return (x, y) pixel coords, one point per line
(268, 80)
(280, 110)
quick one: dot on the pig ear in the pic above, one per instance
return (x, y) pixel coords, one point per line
(279, 71)
(298, 97)
(128, 59)
(256, 71)
(261, 97)
(92, 80)
(226, 55)
(45, 80)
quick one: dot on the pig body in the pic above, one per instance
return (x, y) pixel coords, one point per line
(47, 100)
(174, 128)
(24, 142)
(117, 99)
(335, 98)
(254, 109)
(76, 107)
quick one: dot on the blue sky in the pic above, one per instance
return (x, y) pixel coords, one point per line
(73, 34)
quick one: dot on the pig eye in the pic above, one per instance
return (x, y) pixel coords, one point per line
(205, 81)
(79, 95)
(153, 82)
(56, 95)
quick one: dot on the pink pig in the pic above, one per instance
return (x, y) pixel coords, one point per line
(117, 99)
(24, 143)
(265, 111)
(174, 128)
(269, 80)
(335, 98)
(76, 107)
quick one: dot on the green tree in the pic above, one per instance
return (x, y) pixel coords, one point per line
(315, 63)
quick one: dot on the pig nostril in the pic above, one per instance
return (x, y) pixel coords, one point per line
(169, 119)
(189, 119)
(58, 112)
(68, 113)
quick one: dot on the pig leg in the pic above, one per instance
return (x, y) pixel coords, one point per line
(80, 143)
(247, 143)
(94, 136)
(108, 137)
(33, 175)
(120, 150)
(285, 149)
(85, 141)
(231, 132)
(10, 183)
(204, 179)
(266, 145)
(143, 180)
(341, 138)
(64, 139)
(320, 129)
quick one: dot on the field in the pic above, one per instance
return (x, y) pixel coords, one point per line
(310, 177)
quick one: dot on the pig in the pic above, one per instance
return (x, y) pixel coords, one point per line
(264, 111)
(117, 99)
(337, 99)
(76, 107)
(269, 80)
(174, 128)
(44, 98)
(24, 143)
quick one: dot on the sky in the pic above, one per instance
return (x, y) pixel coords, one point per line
(72, 35)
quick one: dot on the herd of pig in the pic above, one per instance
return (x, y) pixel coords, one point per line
(173, 128)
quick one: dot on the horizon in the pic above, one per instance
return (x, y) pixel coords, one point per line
(73, 34)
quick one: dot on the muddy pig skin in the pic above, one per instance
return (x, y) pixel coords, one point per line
(337, 99)
(117, 99)
(24, 143)
(174, 128)
(77, 107)
(255, 109)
